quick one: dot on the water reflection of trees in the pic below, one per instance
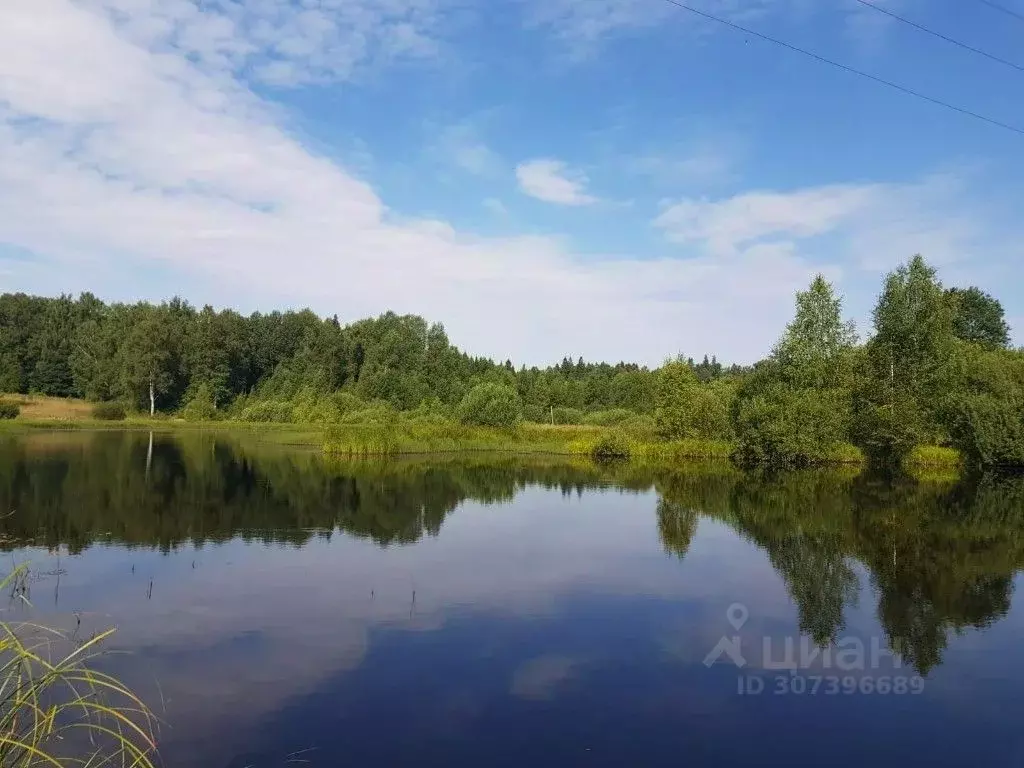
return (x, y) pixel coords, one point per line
(74, 489)
(941, 557)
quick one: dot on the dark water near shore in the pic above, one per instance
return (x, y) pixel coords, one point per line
(278, 607)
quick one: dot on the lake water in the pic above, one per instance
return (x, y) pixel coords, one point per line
(276, 606)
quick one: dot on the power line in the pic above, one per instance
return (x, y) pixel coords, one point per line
(1004, 9)
(845, 68)
(941, 36)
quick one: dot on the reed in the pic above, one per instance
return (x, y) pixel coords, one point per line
(64, 712)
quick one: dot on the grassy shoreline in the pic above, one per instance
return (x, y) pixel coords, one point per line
(410, 438)
(405, 436)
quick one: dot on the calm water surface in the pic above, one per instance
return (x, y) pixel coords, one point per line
(279, 607)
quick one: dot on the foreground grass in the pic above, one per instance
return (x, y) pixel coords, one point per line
(64, 712)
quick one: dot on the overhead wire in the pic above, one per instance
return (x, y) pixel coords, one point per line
(1003, 8)
(846, 68)
(940, 36)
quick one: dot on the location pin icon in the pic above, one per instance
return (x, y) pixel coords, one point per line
(737, 614)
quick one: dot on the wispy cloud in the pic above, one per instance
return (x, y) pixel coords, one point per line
(582, 27)
(463, 147)
(553, 182)
(707, 164)
(495, 206)
(732, 222)
(281, 42)
(876, 225)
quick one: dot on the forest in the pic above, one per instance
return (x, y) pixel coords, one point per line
(937, 369)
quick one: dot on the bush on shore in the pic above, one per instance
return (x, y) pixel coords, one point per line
(110, 410)
(611, 447)
(491, 405)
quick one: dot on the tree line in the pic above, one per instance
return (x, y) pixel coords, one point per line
(162, 358)
(937, 369)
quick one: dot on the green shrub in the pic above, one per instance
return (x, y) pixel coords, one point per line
(983, 413)
(782, 426)
(538, 414)
(610, 418)
(378, 412)
(200, 407)
(685, 408)
(887, 426)
(432, 410)
(315, 412)
(268, 411)
(639, 424)
(987, 430)
(9, 410)
(611, 447)
(491, 405)
(309, 407)
(563, 415)
(346, 402)
(110, 410)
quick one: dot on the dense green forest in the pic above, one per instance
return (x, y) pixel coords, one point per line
(937, 369)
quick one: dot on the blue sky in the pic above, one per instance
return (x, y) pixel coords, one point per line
(617, 179)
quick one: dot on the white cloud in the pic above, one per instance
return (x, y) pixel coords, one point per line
(553, 182)
(462, 145)
(874, 226)
(122, 156)
(735, 221)
(583, 26)
(281, 42)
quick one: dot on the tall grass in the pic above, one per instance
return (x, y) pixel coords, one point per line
(64, 712)
(412, 436)
(934, 456)
(429, 436)
(402, 436)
